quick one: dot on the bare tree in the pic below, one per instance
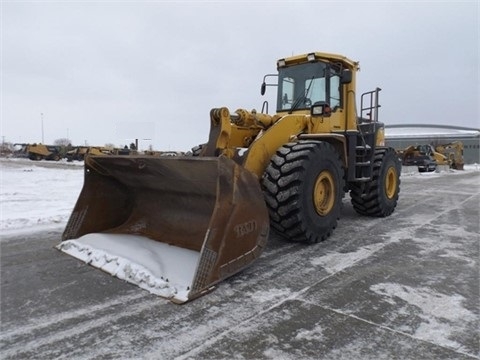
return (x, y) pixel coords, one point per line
(63, 142)
(6, 148)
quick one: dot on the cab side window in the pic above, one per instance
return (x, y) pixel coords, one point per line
(288, 88)
(335, 91)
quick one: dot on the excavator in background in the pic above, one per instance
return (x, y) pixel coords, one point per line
(441, 159)
(428, 158)
(453, 152)
(39, 151)
(80, 152)
(192, 221)
(424, 157)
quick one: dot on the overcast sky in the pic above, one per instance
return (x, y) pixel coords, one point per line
(92, 67)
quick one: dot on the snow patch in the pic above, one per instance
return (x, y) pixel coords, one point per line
(412, 171)
(310, 335)
(31, 195)
(165, 270)
(439, 311)
(335, 262)
(273, 294)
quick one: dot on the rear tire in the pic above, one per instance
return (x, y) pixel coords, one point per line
(304, 187)
(379, 197)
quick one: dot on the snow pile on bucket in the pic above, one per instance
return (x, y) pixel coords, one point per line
(166, 270)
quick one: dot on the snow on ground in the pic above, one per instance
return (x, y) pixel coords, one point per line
(43, 193)
(441, 313)
(36, 194)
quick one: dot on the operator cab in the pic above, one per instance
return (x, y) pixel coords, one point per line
(302, 85)
(311, 83)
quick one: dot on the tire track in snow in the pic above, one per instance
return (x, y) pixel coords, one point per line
(364, 254)
(20, 340)
(389, 329)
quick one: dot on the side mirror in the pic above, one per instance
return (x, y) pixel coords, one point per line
(347, 76)
(263, 88)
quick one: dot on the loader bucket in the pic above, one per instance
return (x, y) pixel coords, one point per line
(172, 225)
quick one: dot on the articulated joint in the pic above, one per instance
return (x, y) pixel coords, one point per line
(251, 119)
(218, 115)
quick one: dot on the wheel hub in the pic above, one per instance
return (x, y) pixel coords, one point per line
(324, 193)
(391, 182)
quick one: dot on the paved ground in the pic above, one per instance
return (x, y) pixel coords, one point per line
(403, 287)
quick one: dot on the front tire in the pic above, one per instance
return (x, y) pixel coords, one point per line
(379, 196)
(303, 187)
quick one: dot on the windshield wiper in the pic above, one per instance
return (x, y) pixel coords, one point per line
(299, 99)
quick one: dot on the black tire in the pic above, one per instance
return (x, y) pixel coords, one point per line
(304, 187)
(379, 197)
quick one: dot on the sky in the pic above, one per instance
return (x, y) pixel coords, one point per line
(88, 70)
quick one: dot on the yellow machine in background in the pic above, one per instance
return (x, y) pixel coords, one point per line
(424, 157)
(211, 212)
(427, 157)
(80, 152)
(40, 152)
(454, 152)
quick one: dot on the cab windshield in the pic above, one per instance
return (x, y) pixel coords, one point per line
(301, 86)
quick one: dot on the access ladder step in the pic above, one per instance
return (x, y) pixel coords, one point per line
(364, 163)
(362, 179)
(363, 149)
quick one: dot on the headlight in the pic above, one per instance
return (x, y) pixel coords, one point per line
(317, 110)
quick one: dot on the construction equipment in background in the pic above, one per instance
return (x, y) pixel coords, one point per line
(165, 153)
(422, 156)
(193, 221)
(80, 152)
(39, 152)
(441, 160)
(429, 158)
(454, 152)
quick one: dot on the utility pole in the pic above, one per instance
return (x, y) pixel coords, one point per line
(41, 116)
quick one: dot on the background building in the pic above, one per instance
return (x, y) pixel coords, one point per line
(402, 136)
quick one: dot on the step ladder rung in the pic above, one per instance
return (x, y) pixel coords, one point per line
(364, 163)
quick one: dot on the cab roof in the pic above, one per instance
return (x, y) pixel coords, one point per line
(315, 56)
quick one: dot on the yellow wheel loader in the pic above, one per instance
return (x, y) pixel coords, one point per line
(192, 221)
(39, 152)
(422, 156)
(454, 152)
